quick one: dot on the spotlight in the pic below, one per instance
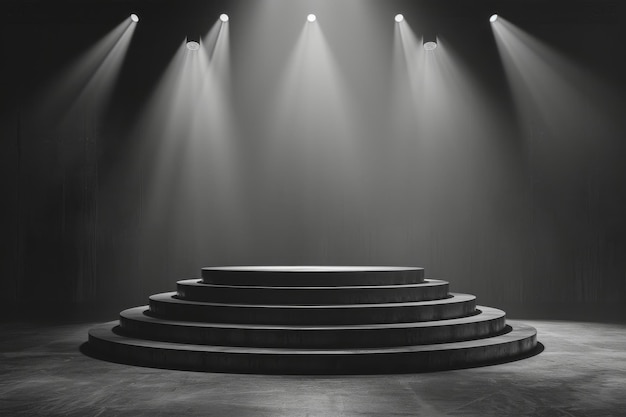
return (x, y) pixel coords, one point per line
(193, 45)
(429, 40)
(134, 18)
(224, 17)
(311, 18)
(493, 18)
(399, 18)
(430, 45)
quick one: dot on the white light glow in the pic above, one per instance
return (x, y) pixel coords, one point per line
(311, 18)
(193, 45)
(134, 18)
(429, 46)
(493, 18)
(224, 17)
(399, 18)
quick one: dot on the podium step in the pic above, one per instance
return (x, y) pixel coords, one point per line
(167, 305)
(489, 321)
(517, 341)
(196, 290)
(311, 276)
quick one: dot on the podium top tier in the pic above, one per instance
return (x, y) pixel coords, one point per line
(312, 276)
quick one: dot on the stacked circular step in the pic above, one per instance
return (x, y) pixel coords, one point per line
(312, 320)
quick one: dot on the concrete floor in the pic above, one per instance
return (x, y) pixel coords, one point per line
(581, 372)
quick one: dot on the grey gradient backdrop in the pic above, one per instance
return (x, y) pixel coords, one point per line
(101, 210)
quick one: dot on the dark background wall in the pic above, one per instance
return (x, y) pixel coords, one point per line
(528, 219)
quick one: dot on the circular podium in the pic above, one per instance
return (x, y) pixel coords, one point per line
(312, 320)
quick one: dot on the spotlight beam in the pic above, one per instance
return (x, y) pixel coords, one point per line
(72, 82)
(89, 82)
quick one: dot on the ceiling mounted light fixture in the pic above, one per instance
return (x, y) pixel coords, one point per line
(193, 45)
